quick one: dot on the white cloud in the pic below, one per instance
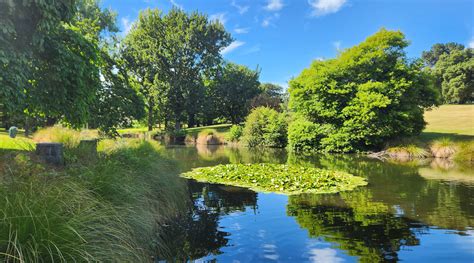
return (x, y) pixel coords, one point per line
(274, 5)
(242, 8)
(471, 43)
(126, 24)
(242, 30)
(253, 49)
(174, 3)
(324, 7)
(337, 45)
(268, 20)
(234, 45)
(221, 17)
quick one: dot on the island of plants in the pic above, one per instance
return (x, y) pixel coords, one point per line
(278, 178)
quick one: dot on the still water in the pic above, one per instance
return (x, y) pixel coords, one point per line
(413, 212)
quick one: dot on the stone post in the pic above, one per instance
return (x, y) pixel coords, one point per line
(51, 152)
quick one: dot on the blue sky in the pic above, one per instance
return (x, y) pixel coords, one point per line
(282, 37)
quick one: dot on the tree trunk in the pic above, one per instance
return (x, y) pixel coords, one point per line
(191, 120)
(177, 125)
(150, 114)
(51, 121)
(27, 126)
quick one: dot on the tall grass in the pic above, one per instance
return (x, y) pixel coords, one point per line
(111, 210)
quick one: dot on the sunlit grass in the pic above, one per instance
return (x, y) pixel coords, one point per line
(451, 120)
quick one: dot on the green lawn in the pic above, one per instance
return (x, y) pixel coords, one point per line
(19, 143)
(221, 128)
(454, 121)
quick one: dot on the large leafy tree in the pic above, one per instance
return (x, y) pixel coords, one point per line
(168, 55)
(233, 89)
(60, 62)
(453, 68)
(24, 28)
(369, 94)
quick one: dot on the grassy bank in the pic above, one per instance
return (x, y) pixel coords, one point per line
(111, 208)
(452, 121)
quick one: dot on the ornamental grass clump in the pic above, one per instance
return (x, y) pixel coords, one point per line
(443, 148)
(209, 137)
(278, 178)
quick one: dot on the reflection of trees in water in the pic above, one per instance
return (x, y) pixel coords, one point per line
(197, 234)
(434, 202)
(361, 227)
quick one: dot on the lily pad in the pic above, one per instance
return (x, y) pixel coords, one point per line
(278, 178)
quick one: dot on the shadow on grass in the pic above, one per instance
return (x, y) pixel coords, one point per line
(430, 136)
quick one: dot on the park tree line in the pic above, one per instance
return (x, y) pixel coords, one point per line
(65, 62)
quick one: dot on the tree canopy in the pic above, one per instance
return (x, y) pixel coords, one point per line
(168, 54)
(453, 68)
(369, 94)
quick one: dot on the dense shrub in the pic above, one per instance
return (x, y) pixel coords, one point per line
(306, 136)
(369, 94)
(235, 133)
(265, 127)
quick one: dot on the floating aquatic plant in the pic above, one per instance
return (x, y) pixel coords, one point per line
(278, 178)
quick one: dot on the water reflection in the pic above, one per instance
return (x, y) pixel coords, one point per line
(403, 207)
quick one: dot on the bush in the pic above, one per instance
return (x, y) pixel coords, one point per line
(265, 127)
(235, 133)
(465, 152)
(370, 93)
(306, 136)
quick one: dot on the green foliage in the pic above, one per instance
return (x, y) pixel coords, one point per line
(305, 136)
(235, 132)
(265, 127)
(168, 54)
(454, 72)
(271, 96)
(465, 152)
(432, 56)
(232, 91)
(369, 94)
(278, 178)
(107, 210)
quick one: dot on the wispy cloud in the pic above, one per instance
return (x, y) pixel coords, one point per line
(126, 25)
(234, 45)
(471, 43)
(242, 30)
(337, 45)
(174, 3)
(324, 7)
(274, 5)
(268, 21)
(242, 8)
(251, 50)
(221, 17)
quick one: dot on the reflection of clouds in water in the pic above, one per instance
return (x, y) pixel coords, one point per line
(270, 252)
(324, 255)
(261, 233)
(236, 226)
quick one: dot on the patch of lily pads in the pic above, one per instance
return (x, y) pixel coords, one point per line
(278, 178)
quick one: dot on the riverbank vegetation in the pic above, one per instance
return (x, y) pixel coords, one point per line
(278, 178)
(109, 208)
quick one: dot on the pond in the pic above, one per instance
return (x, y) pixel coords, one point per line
(409, 211)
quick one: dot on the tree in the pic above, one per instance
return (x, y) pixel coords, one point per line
(25, 25)
(453, 68)
(235, 86)
(437, 50)
(271, 95)
(169, 55)
(369, 94)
